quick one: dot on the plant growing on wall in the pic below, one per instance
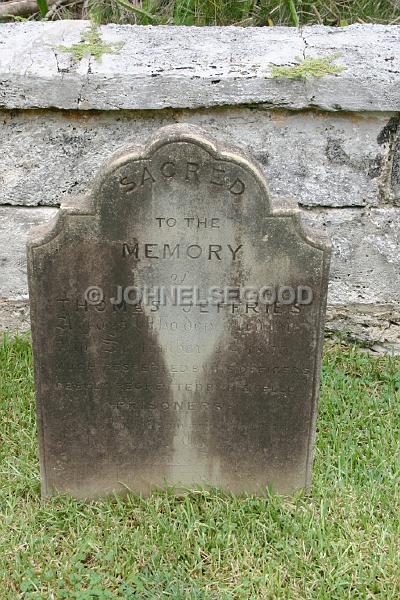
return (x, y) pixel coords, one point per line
(91, 44)
(308, 67)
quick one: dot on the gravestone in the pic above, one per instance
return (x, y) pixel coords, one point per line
(177, 321)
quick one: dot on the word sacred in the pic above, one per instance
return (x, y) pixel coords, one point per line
(209, 252)
(191, 172)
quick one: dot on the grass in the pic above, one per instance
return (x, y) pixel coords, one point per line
(221, 12)
(249, 12)
(340, 541)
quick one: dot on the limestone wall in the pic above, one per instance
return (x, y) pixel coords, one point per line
(333, 142)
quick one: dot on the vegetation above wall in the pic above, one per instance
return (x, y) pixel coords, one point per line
(208, 12)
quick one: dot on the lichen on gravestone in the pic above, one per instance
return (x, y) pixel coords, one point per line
(91, 44)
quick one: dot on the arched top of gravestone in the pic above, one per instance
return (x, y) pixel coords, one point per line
(179, 161)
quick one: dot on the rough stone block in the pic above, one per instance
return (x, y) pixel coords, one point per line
(194, 67)
(322, 159)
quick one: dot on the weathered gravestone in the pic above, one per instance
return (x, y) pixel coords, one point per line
(177, 317)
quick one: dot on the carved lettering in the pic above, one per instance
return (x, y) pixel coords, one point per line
(191, 251)
(192, 171)
(168, 169)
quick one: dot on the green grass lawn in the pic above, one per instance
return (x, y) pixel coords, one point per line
(339, 541)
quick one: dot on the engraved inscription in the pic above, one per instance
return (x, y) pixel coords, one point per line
(143, 174)
(190, 251)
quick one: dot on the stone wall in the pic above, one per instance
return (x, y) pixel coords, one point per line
(332, 143)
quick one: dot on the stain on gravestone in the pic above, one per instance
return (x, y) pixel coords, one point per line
(177, 315)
